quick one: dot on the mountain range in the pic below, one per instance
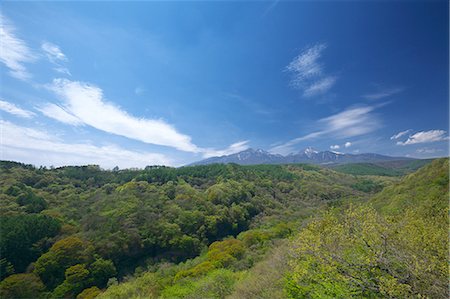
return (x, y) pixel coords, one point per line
(308, 155)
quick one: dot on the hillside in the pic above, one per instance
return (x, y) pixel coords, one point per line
(395, 246)
(383, 168)
(212, 231)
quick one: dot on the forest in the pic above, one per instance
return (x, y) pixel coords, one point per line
(224, 231)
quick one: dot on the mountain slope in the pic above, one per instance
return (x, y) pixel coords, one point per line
(383, 168)
(309, 155)
(247, 157)
(397, 248)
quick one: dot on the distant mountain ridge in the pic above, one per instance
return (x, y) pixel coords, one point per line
(309, 155)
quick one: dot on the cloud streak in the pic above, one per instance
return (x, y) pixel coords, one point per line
(87, 103)
(308, 73)
(319, 87)
(425, 137)
(232, 149)
(84, 103)
(40, 148)
(354, 121)
(60, 114)
(400, 134)
(14, 52)
(383, 93)
(53, 52)
(56, 57)
(14, 110)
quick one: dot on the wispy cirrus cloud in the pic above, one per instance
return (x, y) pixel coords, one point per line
(60, 114)
(53, 52)
(14, 52)
(84, 103)
(15, 110)
(270, 7)
(354, 121)
(383, 93)
(35, 146)
(232, 149)
(87, 103)
(56, 57)
(400, 134)
(308, 73)
(425, 137)
(320, 87)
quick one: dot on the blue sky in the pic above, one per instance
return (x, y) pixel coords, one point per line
(142, 83)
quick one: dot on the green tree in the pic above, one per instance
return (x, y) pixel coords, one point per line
(22, 286)
(20, 234)
(67, 252)
(101, 271)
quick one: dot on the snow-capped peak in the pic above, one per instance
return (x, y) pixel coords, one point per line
(309, 151)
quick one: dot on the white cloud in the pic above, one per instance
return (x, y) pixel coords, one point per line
(348, 144)
(14, 52)
(400, 134)
(13, 109)
(383, 93)
(319, 87)
(62, 70)
(306, 65)
(335, 147)
(55, 56)
(87, 103)
(351, 122)
(232, 149)
(425, 137)
(84, 103)
(53, 52)
(307, 72)
(38, 147)
(58, 113)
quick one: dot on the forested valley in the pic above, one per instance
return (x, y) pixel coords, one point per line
(223, 231)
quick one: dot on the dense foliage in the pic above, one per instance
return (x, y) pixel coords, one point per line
(385, 168)
(216, 231)
(399, 251)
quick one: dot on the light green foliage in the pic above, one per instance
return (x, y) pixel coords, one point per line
(388, 168)
(338, 258)
(89, 293)
(76, 280)
(214, 231)
(198, 270)
(362, 253)
(266, 278)
(368, 186)
(22, 286)
(67, 252)
(217, 284)
(425, 189)
(225, 253)
(144, 286)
